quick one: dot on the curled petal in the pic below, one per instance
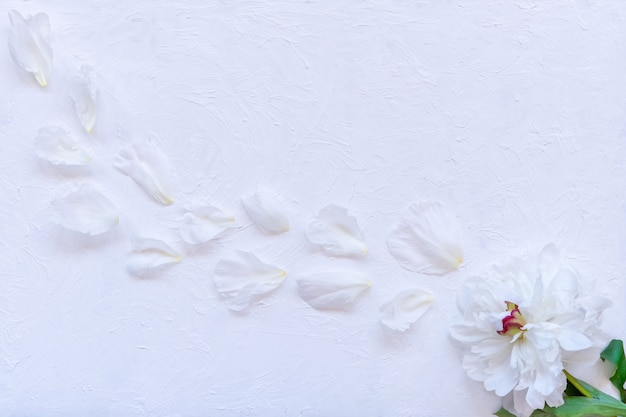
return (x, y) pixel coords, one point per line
(149, 256)
(266, 211)
(332, 290)
(337, 232)
(149, 167)
(244, 277)
(84, 94)
(428, 240)
(86, 211)
(405, 309)
(59, 148)
(204, 224)
(29, 46)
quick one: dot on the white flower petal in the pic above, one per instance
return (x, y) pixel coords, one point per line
(243, 277)
(149, 256)
(337, 232)
(28, 45)
(428, 240)
(405, 309)
(59, 148)
(149, 167)
(574, 341)
(204, 224)
(266, 211)
(86, 211)
(84, 94)
(332, 290)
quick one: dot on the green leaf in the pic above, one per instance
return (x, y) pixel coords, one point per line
(537, 413)
(599, 404)
(503, 413)
(584, 407)
(571, 390)
(614, 353)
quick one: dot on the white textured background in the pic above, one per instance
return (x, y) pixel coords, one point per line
(513, 114)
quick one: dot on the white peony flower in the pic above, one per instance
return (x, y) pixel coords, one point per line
(523, 326)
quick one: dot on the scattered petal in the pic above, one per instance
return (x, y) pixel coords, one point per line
(405, 309)
(149, 167)
(244, 277)
(337, 232)
(266, 211)
(332, 290)
(428, 240)
(149, 256)
(86, 211)
(84, 94)
(204, 224)
(59, 148)
(29, 46)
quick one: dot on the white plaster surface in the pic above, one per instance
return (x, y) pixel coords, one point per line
(512, 113)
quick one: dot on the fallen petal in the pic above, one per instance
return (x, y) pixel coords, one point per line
(83, 94)
(428, 240)
(204, 224)
(337, 232)
(148, 166)
(244, 277)
(266, 211)
(59, 148)
(405, 309)
(29, 46)
(86, 211)
(149, 256)
(332, 290)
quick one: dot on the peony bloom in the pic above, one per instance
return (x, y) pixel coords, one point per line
(524, 325)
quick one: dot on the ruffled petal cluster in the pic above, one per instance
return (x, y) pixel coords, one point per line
(523, 325)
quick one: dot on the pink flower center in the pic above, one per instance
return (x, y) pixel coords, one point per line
(512, 324)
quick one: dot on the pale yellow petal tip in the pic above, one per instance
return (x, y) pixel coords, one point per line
(169, 201)
(117, 220)
(287, 228)
(41, 80)
(458, 262)
(178, 258)
(369, 284)
(366, 250)
(283, 273)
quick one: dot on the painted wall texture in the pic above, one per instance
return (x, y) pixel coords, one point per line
(513, 114)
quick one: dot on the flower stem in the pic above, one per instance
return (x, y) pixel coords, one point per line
(577, 385)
